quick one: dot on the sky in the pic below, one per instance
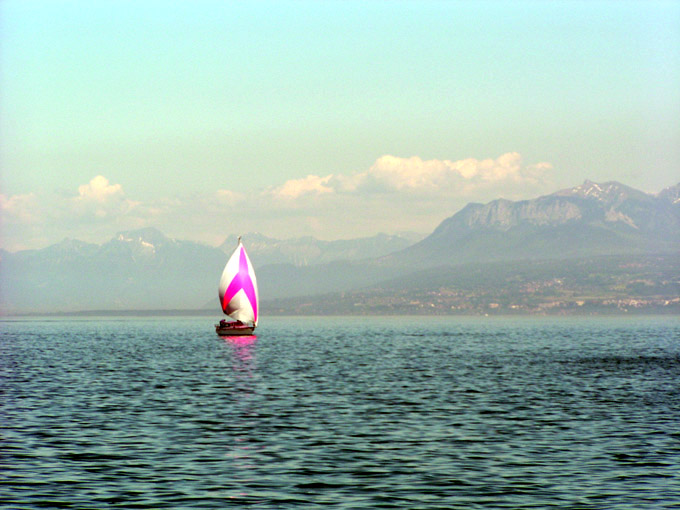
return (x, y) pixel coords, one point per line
(332, 119)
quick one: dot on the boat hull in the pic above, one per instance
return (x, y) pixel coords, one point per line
(231, 329)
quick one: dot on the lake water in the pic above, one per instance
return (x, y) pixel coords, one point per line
(341, 412)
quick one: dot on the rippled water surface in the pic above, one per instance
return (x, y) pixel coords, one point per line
(345, 413)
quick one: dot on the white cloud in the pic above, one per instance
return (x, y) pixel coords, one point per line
(99, 189)
(440, 176)
(310, 185)
(97, 206)
(415, 175)
(20, 208)
(99, 200)
(412, 173)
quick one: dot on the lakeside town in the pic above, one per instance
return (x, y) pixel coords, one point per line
(610, 285)
(448, 302)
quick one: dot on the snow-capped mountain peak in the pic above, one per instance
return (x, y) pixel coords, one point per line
(610, 192)
(146, 238)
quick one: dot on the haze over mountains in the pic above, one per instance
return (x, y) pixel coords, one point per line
(146, 270)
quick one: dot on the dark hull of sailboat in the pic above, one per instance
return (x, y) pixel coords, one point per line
(234, 330)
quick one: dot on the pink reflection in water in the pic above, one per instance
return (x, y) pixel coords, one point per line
(241, 451)
(242, 348)
(241, 341)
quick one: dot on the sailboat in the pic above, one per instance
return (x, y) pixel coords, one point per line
(237, 292)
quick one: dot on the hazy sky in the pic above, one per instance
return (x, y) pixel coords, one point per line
(335, 119)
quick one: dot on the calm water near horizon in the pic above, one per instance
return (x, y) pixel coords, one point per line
(341, 412)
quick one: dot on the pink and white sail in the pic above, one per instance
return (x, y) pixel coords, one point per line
(238, 288)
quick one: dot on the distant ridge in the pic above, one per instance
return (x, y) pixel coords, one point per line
(307, 251)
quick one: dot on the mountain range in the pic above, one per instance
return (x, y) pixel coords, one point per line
(587, 220)
(144, 269)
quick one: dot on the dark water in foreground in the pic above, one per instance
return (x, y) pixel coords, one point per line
(345, 413)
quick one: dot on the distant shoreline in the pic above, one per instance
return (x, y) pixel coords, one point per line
(217, 315)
